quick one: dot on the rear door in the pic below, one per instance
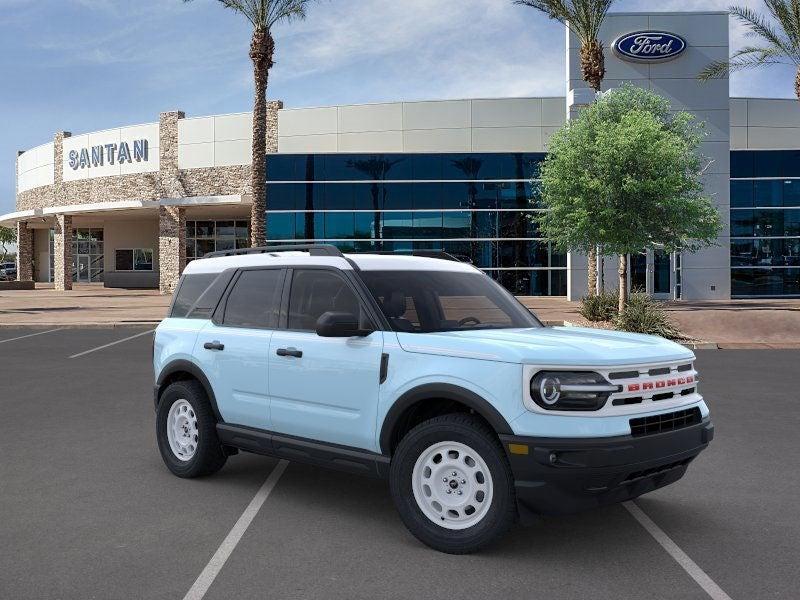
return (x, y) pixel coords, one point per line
(233, 348)
(324, 389)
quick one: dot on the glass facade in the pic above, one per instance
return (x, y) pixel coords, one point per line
(203, 237)
(478, 206)
(765, 223)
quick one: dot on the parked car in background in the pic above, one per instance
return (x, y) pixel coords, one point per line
(423, 371)
(8, 271)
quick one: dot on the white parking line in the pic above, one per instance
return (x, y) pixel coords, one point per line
(22, 337)
(694, 571)
(112, 343)
(214, 566)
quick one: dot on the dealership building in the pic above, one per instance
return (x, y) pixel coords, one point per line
(128, 207)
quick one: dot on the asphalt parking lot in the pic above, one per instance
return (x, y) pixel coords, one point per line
(88, 510)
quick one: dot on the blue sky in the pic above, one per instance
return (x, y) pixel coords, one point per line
(84, 65)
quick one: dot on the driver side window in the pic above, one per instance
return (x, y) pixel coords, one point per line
(317, 291)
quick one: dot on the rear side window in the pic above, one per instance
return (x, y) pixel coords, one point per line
(254, 300)
(192, 286)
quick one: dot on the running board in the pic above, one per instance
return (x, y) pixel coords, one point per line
(332, 456)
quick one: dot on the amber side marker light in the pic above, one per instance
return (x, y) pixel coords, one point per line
(518, 448)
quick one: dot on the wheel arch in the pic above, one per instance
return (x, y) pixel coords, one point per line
(414, 402)
(181, 370)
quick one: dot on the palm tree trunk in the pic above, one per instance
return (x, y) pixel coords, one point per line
(797, 84)
(593, 67)
(262, 48)
(623, 282)
(593, 70)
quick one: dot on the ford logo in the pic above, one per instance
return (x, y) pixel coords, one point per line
(649, 46)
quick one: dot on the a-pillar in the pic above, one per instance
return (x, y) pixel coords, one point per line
(171, 246)
(62, 253)
(24, 252)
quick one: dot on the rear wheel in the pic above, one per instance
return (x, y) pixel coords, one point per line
(186, 430)
(452, 484)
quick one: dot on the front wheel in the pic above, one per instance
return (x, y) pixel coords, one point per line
(452, 484)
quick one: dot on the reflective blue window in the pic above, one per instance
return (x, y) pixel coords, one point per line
(339, 225)
(280, 226)
(791, 192)
(768, 193)
(339, 196)
(741, 194)
(426, 196)
(397, 196)
(765, 282)
(742, 164)
(282, 196)
(426, 166)
(457, 224)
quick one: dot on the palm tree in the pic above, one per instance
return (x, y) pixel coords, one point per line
(584, 19)
(263, 15)
(779, 41)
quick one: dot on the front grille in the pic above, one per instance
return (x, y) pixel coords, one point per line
(665, 422)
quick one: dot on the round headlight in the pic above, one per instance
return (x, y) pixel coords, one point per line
(550, 390)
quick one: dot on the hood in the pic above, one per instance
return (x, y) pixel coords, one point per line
(561, 346)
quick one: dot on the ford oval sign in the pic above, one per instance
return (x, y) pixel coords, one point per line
(649, 46)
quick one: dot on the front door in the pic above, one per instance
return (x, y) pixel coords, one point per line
(324, 389)
(233, 349)
(83, 269)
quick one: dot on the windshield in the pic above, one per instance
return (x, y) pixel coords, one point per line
(431, 301)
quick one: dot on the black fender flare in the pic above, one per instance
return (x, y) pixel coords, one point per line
(185, 366)
(443, 391)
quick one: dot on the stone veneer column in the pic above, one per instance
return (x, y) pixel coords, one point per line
(171, 246)
(273, 106)
(171, 219)
(24, 252)
(62, 249)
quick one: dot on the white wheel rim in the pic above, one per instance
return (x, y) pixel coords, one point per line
(452, 485)
(182, 431)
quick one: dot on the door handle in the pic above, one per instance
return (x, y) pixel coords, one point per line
(215, 345)
(290, 352)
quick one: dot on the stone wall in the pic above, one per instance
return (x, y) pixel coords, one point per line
(171, 246)
(24, 252)
(62, 251)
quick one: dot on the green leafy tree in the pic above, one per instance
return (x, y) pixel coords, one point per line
(778, 40)
(626, 175)
(263, 15)
(584, 19)
(8, 236)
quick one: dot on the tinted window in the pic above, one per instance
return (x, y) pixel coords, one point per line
(430, 301)
(254, 300)
(315, 292)
(189, 291)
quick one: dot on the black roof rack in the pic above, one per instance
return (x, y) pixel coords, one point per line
(424, 253)
(312, 249)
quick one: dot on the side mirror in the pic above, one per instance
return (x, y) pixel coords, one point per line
(340, 324)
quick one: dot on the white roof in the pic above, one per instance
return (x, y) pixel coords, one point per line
(365, 262)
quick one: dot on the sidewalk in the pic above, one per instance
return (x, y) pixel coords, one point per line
(731, 324)
(87, 305)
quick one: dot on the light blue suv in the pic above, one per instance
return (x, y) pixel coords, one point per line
(423, 371)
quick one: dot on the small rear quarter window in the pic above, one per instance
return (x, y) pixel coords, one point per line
(191, 288)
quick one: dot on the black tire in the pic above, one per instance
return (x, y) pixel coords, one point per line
(471, 431)
(209, 456)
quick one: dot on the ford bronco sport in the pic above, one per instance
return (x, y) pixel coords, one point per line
(423, 371)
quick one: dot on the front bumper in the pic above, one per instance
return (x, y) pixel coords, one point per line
(567, 475)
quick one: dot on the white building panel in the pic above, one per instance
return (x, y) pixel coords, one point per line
(308, 121)
(773, 113)
(234, 152)
(371, 141)
(195, 156)
(698, 29)
(437, 140)
(370, 117)
(507, 139)
(554, 111)
(302, 144)
(770, 138)
(739, 138)
(444, 114)
(508, 112)
(196, 131)
(237, 126)
(738, 108)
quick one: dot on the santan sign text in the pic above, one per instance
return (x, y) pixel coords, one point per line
(97, 156)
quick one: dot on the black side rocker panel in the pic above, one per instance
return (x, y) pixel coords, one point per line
(333, 456)
(184, 366)
(444, 391)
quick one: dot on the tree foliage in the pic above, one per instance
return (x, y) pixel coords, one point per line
(777, 35)
(8, 236)
(626, 175)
